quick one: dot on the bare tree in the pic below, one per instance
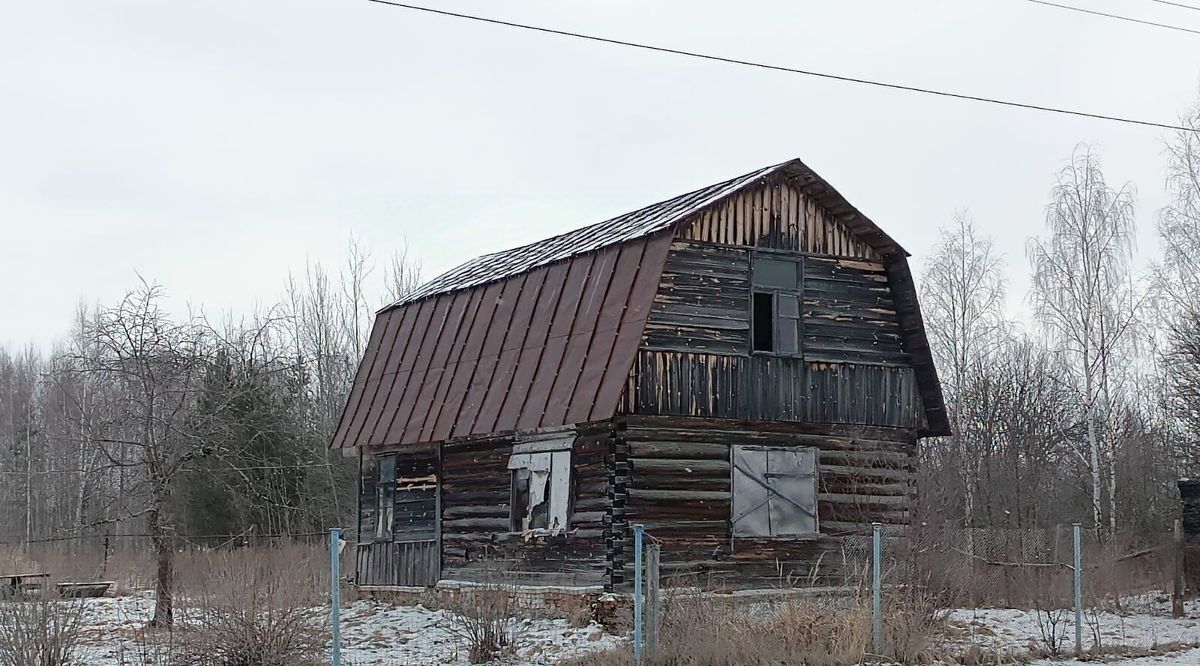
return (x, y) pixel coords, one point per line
(403, 275)
(962, 295)
(174, 385)
(1177, 285)
(330, 318)
(1083, 297)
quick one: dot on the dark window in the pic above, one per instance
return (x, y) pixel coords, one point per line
(520, 498)
(776, 314)
(763, 333)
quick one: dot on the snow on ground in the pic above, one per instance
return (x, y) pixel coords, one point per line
(1146, 625)
(373, 634)
(1185, 658)
(383, 633)
(377, 633)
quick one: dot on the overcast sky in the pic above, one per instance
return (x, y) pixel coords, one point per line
(211, 146)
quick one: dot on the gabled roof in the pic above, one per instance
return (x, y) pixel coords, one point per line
(644, 222)
(545, 334)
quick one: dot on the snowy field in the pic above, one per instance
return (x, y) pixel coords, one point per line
(1145, 626)
(379, 633)
(373, 634)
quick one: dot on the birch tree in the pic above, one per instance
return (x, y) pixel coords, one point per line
(1177, 282)
(962, 297)
(1082, 297)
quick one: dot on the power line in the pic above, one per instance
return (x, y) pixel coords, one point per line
(225, 468)
(1118, 17)
(16, 540)
(1177, 4)
(782, 68)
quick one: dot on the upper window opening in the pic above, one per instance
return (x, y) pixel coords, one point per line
(777, 283)
(763, 332)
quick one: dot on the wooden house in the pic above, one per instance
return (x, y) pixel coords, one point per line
(743, 369)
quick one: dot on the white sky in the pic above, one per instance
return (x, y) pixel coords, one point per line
(211, 146)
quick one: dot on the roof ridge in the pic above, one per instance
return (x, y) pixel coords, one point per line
(628, 226)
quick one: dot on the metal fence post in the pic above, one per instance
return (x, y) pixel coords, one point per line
(1078, 533)
(335, 573)
(876, 590)
(653, 613)
(1178, 566)
(638, 533)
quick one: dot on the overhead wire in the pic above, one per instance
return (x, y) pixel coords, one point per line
(1117, 17)
(1177, 4)
(786, 69)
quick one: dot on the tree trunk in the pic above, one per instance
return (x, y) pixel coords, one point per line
(1097, 483)
(164, 552)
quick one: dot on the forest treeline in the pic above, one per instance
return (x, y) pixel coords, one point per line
(141, 421)
(1089, 412)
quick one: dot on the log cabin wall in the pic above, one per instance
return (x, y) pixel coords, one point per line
(696, 360)
(678, 484)
(477, 544)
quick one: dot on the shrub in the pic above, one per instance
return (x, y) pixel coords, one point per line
(252, 611)
(484, 619)
(43, 631)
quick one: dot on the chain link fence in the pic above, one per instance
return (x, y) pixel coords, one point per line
(923, 574)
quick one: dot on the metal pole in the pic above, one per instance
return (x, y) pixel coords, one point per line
(876, 590)
(1179, 564)
(1078, 533)
(335, 572)
(653, 600)
(638, 531)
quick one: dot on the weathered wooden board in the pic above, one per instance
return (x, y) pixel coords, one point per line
(477, 542)
(679, 487)
(777, 215)
(770, 388)
(703, 305)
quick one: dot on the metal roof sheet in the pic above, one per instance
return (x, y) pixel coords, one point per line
(630, 226)
(542, 348)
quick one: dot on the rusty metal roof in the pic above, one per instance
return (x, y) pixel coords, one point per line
(549, 346)
(545, 334)
(639, 223)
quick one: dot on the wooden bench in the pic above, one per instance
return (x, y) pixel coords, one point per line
(87, 590)
(13, 584)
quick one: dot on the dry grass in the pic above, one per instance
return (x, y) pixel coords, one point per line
(484, 620)
(43, 631)
(799, 630)
(261, 607)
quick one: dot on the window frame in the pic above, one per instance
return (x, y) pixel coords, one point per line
(558, 454)
(384, 533)
(735, 516)
(777, 293)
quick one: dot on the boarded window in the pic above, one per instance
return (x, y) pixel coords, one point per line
(415, 515)
(774, 491)
(385, 497)
(541, 487)
(777, 283)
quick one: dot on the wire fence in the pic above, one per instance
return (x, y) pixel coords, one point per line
(1062, 576)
